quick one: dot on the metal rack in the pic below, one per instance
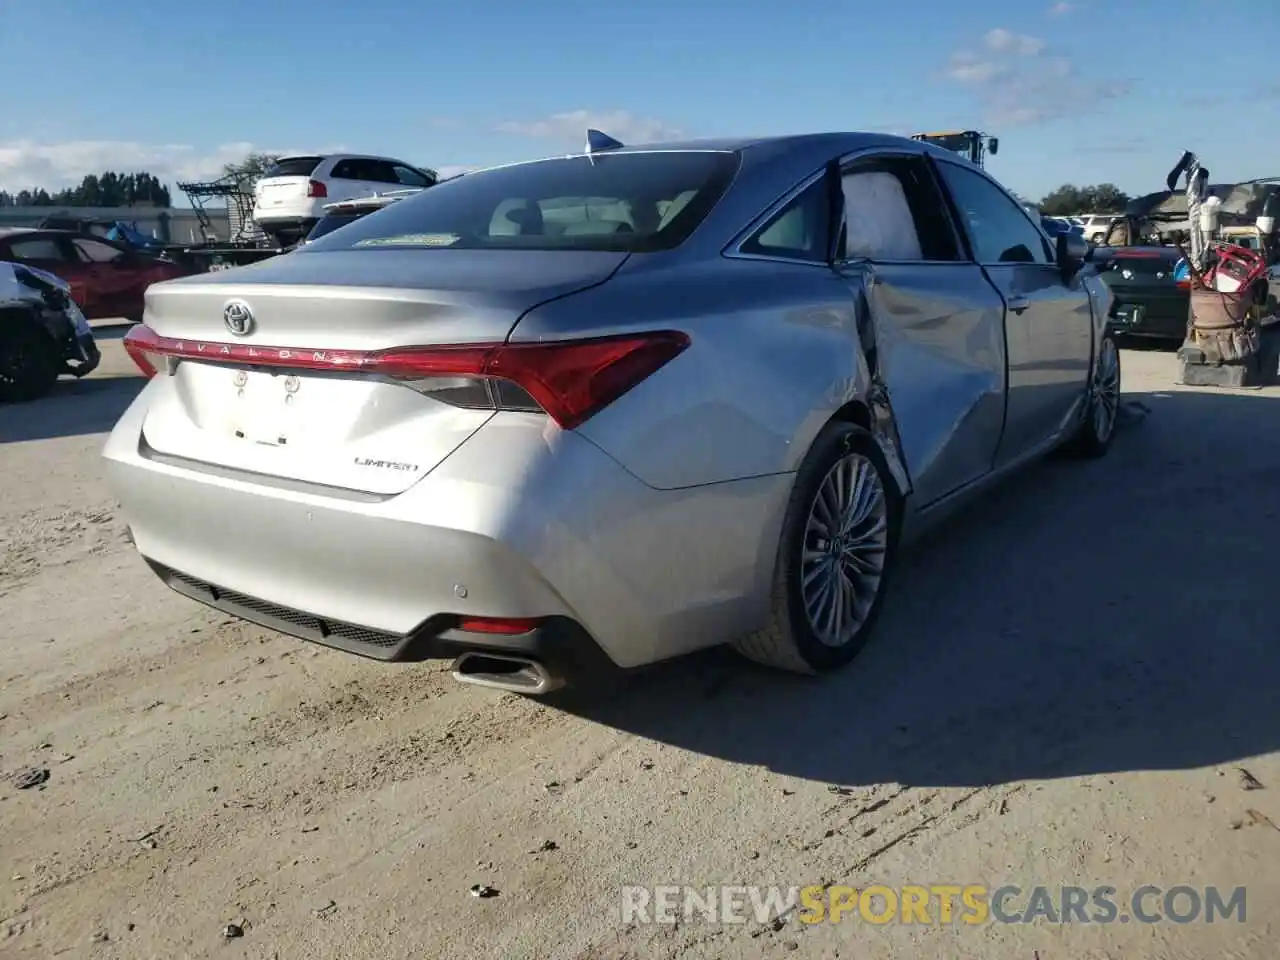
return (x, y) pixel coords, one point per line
(237, 194)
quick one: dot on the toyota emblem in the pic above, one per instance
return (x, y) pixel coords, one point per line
(238, 317)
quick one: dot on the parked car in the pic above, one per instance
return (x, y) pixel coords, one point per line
(595, 411)
(126, 234)
(292, 194)
(1148, 299)
(107, 279)
(1055, 226)
(1096, 225)
(43, 334)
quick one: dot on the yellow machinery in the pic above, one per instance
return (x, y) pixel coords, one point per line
(968, 143)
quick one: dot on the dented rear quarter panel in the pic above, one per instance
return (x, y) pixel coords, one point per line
(779, 349)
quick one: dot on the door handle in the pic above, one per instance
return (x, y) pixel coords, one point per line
(1019, 304)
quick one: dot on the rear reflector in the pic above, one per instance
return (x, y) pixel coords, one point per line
(570, 380)
(497, 625)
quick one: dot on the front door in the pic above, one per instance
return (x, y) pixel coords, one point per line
(938, 333)
(1048, 325)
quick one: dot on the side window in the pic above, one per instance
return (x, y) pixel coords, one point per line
(998, 228)
(895, 211)
(40, 248)
(410, 178)
(346, 170)
(93, 252)
(798, 231)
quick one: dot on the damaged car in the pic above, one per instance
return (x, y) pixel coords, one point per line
(586, 413)
(43, 334)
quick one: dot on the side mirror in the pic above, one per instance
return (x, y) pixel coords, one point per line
(993, 146)
(1073, 250)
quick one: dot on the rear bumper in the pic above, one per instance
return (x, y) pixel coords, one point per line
(559, 643)
(1157, 319)
(521, 521)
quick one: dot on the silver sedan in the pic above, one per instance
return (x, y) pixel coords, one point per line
(591, 412)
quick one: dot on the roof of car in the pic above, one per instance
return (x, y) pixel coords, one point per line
(14, 231)
(849, 141)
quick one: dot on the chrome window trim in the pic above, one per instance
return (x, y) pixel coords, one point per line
(1008, 196)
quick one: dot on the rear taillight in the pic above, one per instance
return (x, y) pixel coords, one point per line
(316, 189)
(569, 380)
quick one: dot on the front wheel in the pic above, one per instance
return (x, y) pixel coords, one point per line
(29, 361)
(838, 544)
(1102, 405)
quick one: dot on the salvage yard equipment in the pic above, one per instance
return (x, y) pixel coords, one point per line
(968, 143)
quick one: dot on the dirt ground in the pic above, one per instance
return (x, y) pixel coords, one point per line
(1063, 690)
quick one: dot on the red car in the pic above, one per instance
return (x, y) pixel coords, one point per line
(107, 279)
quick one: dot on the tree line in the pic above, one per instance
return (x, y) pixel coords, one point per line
(109, 189)
(1069, 199)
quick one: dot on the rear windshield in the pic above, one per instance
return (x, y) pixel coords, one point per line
(332, 221)
(1149, 266)
(293, 167)
(631, 202)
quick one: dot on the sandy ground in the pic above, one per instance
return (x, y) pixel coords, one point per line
(1063, 690)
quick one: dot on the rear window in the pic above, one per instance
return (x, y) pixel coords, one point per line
(1143, 266)
(332, 221)
(631, 202)
(293, 167)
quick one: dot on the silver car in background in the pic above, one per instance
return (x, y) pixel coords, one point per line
(595, 411)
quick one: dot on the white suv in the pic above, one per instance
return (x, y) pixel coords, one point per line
(1096, 226)
(292, 194)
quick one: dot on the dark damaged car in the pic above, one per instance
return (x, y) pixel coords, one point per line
(43, 334)
(1148, 300)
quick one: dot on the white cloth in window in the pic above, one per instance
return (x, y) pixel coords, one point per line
(880, 225)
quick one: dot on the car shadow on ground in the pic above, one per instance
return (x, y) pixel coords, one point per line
(73, 408)
(1087, 618)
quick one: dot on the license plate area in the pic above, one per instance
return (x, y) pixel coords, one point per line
(265, 407)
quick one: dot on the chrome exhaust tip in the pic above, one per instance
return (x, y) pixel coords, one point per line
(502, 671)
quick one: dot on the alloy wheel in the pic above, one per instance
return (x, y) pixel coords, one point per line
(1106, 390)
(845, 547)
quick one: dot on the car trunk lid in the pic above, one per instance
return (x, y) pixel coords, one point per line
(279, 401)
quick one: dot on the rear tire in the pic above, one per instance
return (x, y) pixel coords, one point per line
(1102, 407)
(29, 361)
(835, 556)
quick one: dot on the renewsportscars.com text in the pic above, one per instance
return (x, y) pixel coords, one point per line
(935, 904)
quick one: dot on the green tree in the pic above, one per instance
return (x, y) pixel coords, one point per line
(1069, 199)
(252, 168)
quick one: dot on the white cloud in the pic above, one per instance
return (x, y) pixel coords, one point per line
(966, 68)
(25, 164)
(571, 127)
(1001, 40)
(1019, 81)
(1061, 8)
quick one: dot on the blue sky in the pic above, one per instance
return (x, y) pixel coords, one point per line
(1078, 91)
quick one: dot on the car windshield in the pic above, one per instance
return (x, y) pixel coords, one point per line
(630, 202)
(1147, 265)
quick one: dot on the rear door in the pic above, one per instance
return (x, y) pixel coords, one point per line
(1048, 321)
(359, 177)
(937, 321)
(116, 279)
